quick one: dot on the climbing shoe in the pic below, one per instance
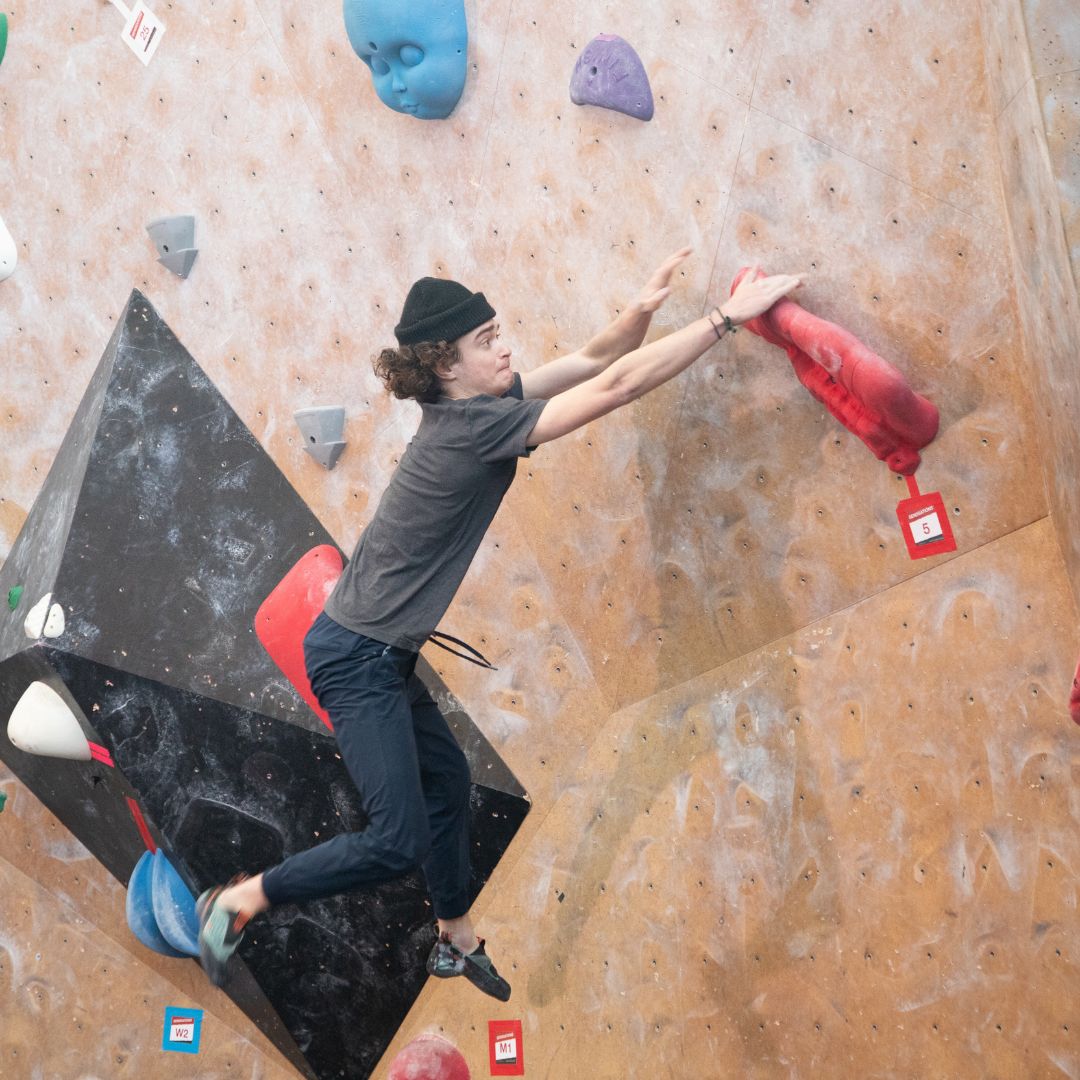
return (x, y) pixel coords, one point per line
(447, 960)
(220, 932)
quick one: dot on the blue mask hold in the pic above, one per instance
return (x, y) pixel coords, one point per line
(416, 52)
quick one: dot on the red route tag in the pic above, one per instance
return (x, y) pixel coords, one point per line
(924, 523)
(505, 1048)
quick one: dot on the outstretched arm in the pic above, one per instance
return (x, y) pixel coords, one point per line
(619, 337)
(644, 369)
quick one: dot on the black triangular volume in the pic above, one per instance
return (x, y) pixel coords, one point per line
(183, 525)
(34, 560)
(223, 785)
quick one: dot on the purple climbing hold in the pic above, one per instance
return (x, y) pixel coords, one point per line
(610, 74)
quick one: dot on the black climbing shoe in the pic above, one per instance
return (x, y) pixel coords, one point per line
(447, 960)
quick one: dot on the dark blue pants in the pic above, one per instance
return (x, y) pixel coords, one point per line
(412, 777)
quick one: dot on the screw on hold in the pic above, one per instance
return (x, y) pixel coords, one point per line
(14, 596)
(323, 427)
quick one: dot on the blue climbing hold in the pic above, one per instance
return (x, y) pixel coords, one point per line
(610, 74)
(416, 52)
(140, 908)
(174, 907)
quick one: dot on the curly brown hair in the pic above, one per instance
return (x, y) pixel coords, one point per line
(409, 370)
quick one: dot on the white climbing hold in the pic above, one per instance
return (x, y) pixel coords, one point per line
(9, 255)
(43, 619)
(41, 723)
(34, 623)
(54, 624)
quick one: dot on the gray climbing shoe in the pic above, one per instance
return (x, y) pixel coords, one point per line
(220, 932)
(447, 961)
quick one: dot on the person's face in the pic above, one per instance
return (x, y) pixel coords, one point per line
(416, 52)
(483, 365)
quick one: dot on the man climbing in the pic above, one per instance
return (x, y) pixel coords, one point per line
(478, 418)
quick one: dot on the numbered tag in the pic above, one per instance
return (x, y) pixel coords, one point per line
(183, 1030)
(507, 1057)
(143, 32)
(925, 525)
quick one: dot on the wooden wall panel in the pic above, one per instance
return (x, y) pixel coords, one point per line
(853, 852)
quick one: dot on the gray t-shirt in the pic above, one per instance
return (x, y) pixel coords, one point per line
(441, 498)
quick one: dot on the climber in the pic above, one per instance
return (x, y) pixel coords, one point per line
(478, 417)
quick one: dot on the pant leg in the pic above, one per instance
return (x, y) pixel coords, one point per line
(444, 774)
(362, 684)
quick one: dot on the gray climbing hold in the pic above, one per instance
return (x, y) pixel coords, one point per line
(322, 428)
(609, 73)
(174, 238)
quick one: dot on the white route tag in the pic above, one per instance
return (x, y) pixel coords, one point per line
(143, 31)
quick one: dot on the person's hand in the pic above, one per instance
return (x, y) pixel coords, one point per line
(756, 294)
(658, 287)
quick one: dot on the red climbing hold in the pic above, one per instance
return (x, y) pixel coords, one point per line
(287, 613)
(863, 391)
(1074, 697)
(429, 1058)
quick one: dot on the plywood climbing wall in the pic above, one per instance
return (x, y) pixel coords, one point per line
(801, 806)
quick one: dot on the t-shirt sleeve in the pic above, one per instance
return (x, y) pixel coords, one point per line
(499, 426)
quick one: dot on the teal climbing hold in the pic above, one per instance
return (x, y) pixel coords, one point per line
(3, 800)
(14, 596)
(3, 36)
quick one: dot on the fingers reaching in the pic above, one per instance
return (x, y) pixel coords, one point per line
(757, 293)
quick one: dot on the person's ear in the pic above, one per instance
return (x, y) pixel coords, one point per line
(444, 371)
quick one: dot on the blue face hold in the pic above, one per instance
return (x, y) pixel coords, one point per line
(416, 52)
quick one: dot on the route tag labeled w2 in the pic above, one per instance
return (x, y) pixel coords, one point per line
(924, 523)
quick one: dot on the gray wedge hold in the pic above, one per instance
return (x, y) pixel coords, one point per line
(174, 238)
(322, 427)
(179, 262)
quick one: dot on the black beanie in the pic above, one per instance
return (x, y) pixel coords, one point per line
(440, 310)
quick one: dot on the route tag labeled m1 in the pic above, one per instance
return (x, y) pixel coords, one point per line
(143, 32)
(507, 1055)
(924, 523)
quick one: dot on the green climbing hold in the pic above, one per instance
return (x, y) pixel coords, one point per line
(3, 800)
(3, 35)
(14, 596)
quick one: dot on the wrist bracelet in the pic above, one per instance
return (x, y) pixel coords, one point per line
(729, 326)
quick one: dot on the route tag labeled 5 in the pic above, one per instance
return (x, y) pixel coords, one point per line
(924, 523)
(143, 32)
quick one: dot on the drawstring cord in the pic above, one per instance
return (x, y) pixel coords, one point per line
(482, 662)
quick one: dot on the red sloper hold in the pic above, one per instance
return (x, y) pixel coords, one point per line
(1074, 697)
(864, 392)
(429, 1057)
(286, 615)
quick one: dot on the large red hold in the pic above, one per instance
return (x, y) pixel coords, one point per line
(286, 615)
(429, 1057)
(1074, 697)
(863, 391)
